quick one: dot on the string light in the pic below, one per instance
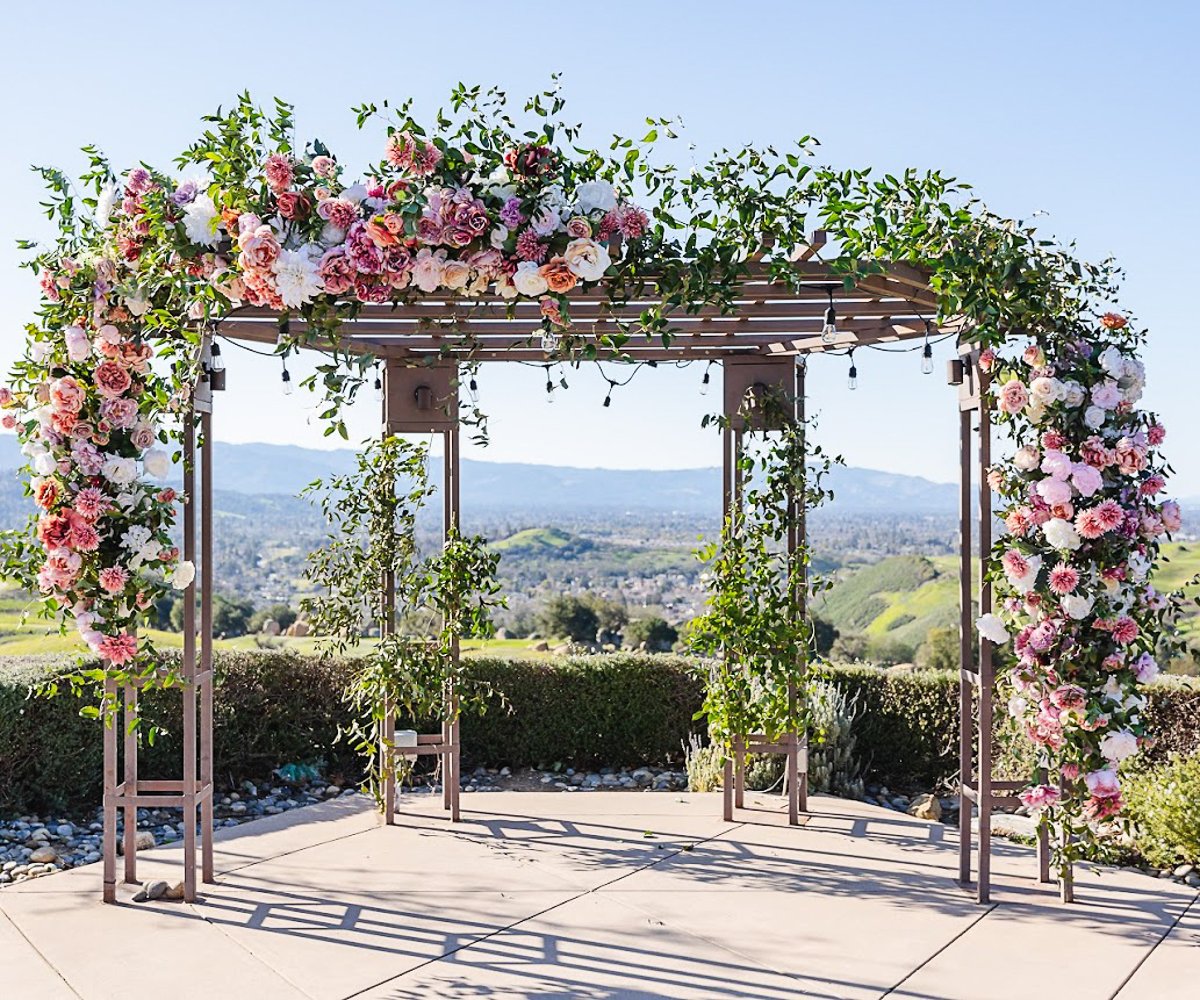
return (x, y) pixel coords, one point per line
(704, 382)
(549, 386)
(215, 361)
(927, 354)
(473, 390)
(829, 330)
(286, 377)
(852, 379)
(549, 339)
(608, 395)
(378, 384)
(285, 331)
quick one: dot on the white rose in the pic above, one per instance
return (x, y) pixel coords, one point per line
(1017, 706)
(1061, 534)
(157, 463)
(1026, 458)
(39, 351)
(1077, 606)
(136, 304)
(499, 235)
(554, 199)
(121, 471)
(1112, 361)
(1045, 390)
(355, 193)
(1094, 417)
(596, 196)
(587, 259)
(992, 628)
(1073, 393)
(105, 203)
(505, 288)
(183, 575)
(44, 463)
(527, 280)
(1119, 745)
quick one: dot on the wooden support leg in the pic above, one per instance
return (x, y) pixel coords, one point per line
(793, 780)
(112, 720)
(456, 770)
(1066, 882)
(447, 765)
(387, 764)
(727, 790)
(739, 772)
(128, 719)
(802, 784)
(1043, 840)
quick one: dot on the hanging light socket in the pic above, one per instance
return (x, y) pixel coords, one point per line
(829, 329)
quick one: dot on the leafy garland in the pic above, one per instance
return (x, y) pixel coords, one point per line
(141, 261)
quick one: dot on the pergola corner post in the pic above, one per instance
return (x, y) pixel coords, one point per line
(423, 399)
(979, 791)
(192, 792)
(743, 377)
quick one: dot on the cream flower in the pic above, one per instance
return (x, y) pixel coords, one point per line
(587, 259)
(1061, 534)
(528, 280)
(200, 221)
(297, 278)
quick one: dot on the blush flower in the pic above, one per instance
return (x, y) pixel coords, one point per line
(1014, 397)
(118, 649)
(113, 579)
(1063, 579)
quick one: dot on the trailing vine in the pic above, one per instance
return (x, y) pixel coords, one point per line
(756, 630)
(371, 577)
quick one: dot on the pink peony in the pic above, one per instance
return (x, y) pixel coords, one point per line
(1040, 797)
(1054, 491)
(259, 248)
(1103, 784)
(337, 273)
(1086, 478)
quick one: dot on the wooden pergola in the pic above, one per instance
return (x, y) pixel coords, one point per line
(761, 341)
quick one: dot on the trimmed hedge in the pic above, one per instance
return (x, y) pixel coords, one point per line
(273, 708)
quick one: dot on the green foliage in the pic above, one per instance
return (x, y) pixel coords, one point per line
(370, 571)
(281, 614)
(1162, 805)
(231, 615)
(273, 708)
(756, 629)
(940, 650)
(658, 635)
(566, 616)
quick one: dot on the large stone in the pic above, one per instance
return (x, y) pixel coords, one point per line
(145, 841)
(152, 890)
(44, 856)
(271, 627)
(926, 807)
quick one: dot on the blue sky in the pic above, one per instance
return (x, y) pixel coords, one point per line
(1084, 111)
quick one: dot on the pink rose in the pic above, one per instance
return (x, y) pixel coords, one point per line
(66, 395)
(112, 379)
(337, 273)
(259, 249)
(1103, 784)
(1014, 397)
(324, 166)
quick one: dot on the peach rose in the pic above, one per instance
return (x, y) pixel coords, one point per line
(559, 276)
(112, 379)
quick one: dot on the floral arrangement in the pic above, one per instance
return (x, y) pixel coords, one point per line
(1085, 514)
(144, 260)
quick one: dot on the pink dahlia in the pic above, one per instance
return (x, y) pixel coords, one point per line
(529, 247)
(118, 649)
(1063, 579)
(1124, 630)
(1088, 524)
(1110, 514)
(278, 171)
(1156, 434)
(1015, 564)
(113, 579)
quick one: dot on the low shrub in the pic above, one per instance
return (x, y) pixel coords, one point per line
(273, 708)
(1162, 802)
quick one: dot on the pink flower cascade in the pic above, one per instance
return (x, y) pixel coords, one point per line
(1085, 518)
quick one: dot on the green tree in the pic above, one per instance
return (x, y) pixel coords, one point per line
(658, 634)
(231, 615)
(280, 613)
(940, 650)
(569, 617)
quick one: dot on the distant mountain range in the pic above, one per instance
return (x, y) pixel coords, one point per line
(269, 469)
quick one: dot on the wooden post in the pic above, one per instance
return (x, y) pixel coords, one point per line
(450, 472)
(986, 677)
(189, 665)
(206, 648)
(966, 708)
(111, 720)
(129, 720)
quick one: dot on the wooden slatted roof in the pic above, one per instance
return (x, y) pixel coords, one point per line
(769, 318)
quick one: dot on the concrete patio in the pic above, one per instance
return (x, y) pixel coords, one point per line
(602, 895)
